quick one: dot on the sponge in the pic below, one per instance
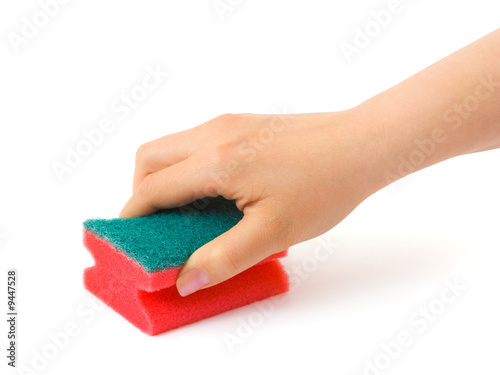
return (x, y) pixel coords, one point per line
(137, 262)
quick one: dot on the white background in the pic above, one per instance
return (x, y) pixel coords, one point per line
(394, 254)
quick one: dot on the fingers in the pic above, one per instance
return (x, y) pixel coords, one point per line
(244, 245)
(166, 151)
(161, 153)
(174, 186)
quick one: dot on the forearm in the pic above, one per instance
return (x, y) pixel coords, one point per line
(450, 108)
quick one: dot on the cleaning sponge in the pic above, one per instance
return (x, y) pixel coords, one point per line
(137, 262)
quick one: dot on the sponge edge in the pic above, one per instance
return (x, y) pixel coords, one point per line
(127, 270)
(167, 238)
(153, 308)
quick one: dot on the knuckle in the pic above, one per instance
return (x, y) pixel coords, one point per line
(228, 118)
(143, 153)
(212, 188)
(146, 190)
(227, 121)
(234, 264)
(230, 259)
(219, 154)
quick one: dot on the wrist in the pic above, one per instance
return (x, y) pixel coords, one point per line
(396, 142)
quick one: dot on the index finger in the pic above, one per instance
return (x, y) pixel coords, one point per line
(174, 186)
(161, 153)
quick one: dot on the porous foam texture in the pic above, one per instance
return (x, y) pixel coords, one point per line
(166, 239)
(141, 288)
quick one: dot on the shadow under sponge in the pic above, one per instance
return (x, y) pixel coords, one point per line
(137, 262)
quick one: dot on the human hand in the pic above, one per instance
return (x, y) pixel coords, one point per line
(297, 176)
(293, 176)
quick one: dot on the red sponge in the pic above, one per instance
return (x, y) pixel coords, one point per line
(150, 300)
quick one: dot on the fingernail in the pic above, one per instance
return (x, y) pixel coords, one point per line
(192, 281)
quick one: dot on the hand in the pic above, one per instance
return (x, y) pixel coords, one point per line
(293, 176)
(297, 176)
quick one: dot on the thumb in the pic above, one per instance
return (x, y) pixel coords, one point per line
(246, 244)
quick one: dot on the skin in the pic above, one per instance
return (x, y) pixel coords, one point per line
(307, 172)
